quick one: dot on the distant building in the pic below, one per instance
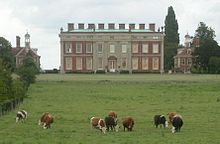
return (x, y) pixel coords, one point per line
(113, 49)
(20, 52)
(183, 58)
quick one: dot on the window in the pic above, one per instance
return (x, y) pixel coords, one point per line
(112, 48)
(78, 63)
(182, 61)
(155, 63)
(68, 63)
(68, 47)
(155, 48)
(100, 48)
(124, 48)
(78, 47)
(189, 61)
(100, 63)
(124, 63)
(145, 63)
(89, 63)
(135, 48)
(145, 48)
(88, 48)
(134, 63)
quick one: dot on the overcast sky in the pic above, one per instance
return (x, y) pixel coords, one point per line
(43, 19)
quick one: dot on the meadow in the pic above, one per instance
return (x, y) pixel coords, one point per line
(74, 98)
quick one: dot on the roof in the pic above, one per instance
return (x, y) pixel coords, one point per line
(110, 30)
(21, 52)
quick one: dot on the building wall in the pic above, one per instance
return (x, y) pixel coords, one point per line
(106, 39)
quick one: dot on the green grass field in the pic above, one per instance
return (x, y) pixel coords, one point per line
(73, 99)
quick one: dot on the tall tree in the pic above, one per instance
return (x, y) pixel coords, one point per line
(6, 54)
(171, 39)
(207, 46)
(28, 70)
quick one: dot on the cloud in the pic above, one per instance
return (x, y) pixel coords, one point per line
(43, 19)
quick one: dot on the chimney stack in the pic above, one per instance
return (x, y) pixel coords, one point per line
(141, 26)
(18, 41)
(131, 26)
(70, 26)
(111, 26)
(152, 27)
(81, 26)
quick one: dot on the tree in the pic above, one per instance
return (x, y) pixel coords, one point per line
(28, 70)
(5, 82)
(6, 54)
(171, 39)
(207, 46)
(214, 64)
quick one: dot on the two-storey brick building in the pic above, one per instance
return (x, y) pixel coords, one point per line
(112, 49)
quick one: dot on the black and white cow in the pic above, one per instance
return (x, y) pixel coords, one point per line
(21, 116)
(111, 123)
(177, 123)
(160, 120)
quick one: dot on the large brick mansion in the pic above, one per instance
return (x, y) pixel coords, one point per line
(95, 48)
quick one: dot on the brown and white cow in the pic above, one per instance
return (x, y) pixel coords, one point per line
(46, 120)
(112, 114)
(177, 123)
(98, 123)
(21, 116)
(170, 116)
(128, 122)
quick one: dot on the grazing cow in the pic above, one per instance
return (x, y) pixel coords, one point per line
(177, 123)
(160, 119)
(111, 123)
(170, 116)
(98, 123)
(128, 122)
(46, 120)
(112, 114)
(21, 116)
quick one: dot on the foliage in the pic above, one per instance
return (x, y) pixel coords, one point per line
(171, 39)
(214, 64)
(207, 46)
(74, 99)
(6, 54)
(5, 82)
(28, 71)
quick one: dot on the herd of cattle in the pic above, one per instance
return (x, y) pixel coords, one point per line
(110, 123)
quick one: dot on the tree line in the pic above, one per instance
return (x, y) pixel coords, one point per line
(14, 82)
(206, 57)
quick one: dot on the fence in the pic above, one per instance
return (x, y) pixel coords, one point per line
(8, 106)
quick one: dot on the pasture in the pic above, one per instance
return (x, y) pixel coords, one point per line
(74, 98)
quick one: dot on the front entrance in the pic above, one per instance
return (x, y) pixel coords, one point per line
(112, 64)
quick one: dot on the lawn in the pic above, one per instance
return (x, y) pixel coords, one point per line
(74, 98)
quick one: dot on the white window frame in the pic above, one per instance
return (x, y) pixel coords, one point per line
(100, 65)
(122, 63)
(155, 48)
(78, 47)
(112, 48)
(124, 48)
(134, 63)
(135, 48)
(145, 48)
(154, 65)
(145, 61)
(68, 47)
(79, 63)
(68, 62)
(89, 48)
(100, 47)
(89, 63)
